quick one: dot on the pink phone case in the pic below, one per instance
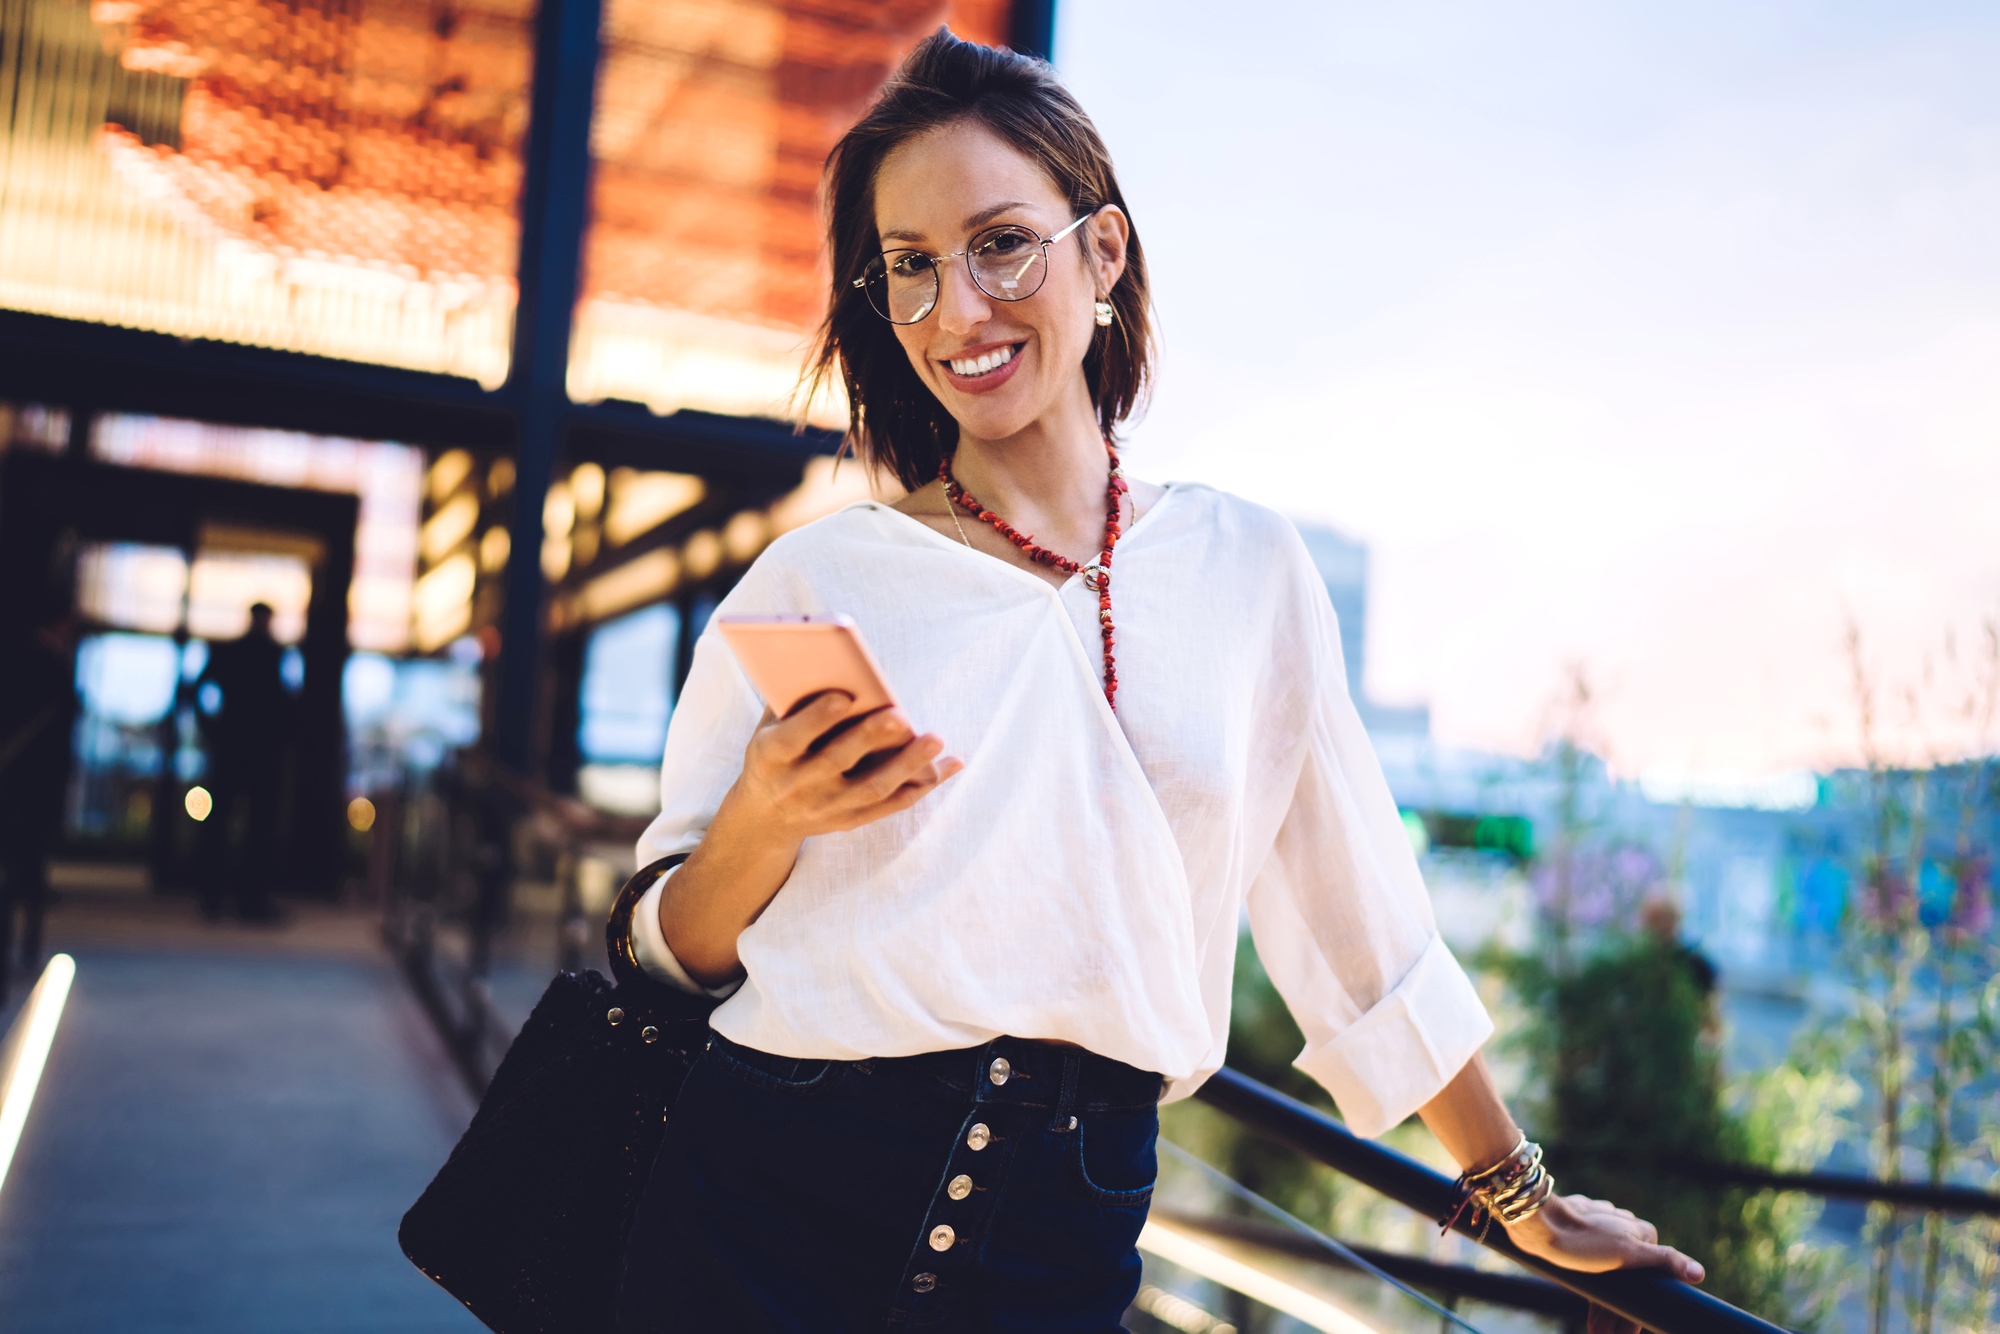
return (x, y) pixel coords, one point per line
(790, 657)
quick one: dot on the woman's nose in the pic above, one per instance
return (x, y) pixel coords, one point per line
(961, 305)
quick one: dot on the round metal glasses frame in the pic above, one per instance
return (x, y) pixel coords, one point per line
(875, 278)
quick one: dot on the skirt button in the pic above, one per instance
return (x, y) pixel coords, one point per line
(924, 1282)
(1000, 1071)
(978, 1137)
(942, 1237)
(960, 1187)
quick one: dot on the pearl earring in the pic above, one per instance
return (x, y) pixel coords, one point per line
(1103, 313)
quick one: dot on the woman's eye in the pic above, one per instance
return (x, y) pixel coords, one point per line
(1006, 243)
(909, 264)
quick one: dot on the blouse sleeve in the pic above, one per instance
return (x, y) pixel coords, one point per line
(712, 723)
(1343, 923)
(713, 720)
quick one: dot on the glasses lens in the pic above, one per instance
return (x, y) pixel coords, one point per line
(902, 285)
(1008, 263)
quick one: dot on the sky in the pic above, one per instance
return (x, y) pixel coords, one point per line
(1657, 343)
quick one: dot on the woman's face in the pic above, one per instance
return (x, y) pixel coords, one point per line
(933, 194)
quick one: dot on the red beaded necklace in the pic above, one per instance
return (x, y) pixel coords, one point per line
(1096, 575)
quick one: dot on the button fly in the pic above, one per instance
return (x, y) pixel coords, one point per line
(978, 1137)
(960, 1187)
(1000, 1071)
(942, 1237)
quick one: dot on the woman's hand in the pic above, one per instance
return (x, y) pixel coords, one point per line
(1578, 1232)
(1573, 1231)
(797, 782)
(800, 777)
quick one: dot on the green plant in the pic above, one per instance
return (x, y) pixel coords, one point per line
(1917, 1014)
(1631, 1100)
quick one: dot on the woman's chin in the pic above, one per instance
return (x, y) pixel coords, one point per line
(994, 416)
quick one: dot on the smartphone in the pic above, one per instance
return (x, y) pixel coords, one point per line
(791, 658)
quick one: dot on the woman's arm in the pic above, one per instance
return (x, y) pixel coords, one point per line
(1574, 1231)
(795, 783)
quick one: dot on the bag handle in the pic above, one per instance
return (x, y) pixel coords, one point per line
(625, 969)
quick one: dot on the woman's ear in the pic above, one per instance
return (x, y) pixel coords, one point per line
(1108, 232)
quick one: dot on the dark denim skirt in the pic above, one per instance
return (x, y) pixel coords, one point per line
(995, 1188)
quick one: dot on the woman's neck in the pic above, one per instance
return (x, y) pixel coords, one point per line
(1047, 479)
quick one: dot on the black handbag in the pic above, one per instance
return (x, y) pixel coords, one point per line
(527, 1220)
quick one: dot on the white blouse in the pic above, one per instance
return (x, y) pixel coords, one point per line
(1085, 876)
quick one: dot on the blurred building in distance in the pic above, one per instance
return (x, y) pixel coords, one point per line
(1343, 565)
(344, 178)
(702, 276)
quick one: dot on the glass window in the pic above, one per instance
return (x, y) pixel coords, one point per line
(387, 478)
(628, 674)
(702, 272)
(126, 685)
(335, 178)
(128, 679)
(626, 698)
(131, 586)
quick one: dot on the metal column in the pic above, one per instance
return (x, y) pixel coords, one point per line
(554, 204)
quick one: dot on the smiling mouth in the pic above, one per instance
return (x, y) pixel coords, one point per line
(985, 363)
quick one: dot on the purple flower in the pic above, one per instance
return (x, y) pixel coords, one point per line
(1972, 901)
(1888, 897)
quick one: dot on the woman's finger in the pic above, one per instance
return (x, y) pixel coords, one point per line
(793, 736)
(910, 793)
(911, 764)
(884, 729)
(1682, 1267)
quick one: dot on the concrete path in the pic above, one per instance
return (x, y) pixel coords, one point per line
(230, 1126)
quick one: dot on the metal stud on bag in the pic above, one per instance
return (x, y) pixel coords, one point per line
(649, 1034)
(614, 1016)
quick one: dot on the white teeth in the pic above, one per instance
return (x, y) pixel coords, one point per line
(984, 362)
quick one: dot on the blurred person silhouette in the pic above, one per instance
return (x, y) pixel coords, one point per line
(1661, 920)
(37, 716)
(246, 719)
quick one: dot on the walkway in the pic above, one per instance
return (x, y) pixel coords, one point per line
(231, 1123)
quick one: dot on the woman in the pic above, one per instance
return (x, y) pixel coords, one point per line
(958, 986)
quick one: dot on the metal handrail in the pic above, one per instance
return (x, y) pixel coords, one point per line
(1655, 1300)
(1708, 1172)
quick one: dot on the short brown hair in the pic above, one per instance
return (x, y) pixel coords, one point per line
(893, 418)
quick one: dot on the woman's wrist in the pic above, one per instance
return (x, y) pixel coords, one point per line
(1493, 1149)
(1509, 1192)
(734, 872)
(749, 834)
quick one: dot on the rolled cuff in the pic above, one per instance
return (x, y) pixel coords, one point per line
(1401, 1054)
(649, 944)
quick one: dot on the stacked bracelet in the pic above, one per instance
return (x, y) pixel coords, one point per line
(1510, 1190)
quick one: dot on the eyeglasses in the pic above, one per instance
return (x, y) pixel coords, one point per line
(1008, 263)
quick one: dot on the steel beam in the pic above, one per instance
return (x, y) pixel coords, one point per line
(555, 196)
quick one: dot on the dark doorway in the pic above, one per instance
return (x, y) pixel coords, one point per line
(50, 505)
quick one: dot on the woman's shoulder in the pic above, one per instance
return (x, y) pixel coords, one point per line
(823, 557)
(1233, 527)
(863, 524)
